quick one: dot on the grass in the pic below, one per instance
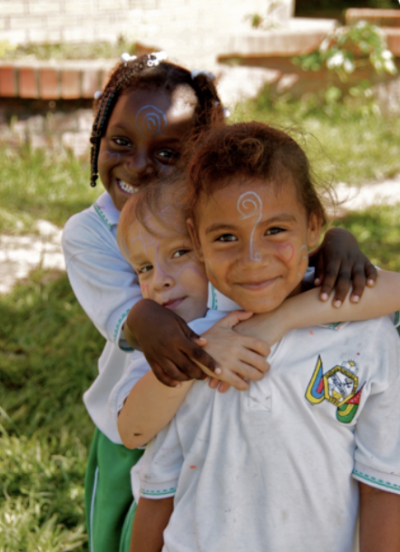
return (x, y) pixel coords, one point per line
(36, 184)
(65, 50)
(48, 354)
(378, 234)
(49, 349)
(344, 144)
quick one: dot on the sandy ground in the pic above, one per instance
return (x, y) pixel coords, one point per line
(21, 254)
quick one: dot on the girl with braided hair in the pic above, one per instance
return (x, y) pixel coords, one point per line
(146, 113)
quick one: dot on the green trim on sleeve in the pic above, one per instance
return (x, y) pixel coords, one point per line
(214, 304)
(102, 215)
(375, 481)
(164, 492)
(117, 327)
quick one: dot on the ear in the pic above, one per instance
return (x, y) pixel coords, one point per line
(314, 230)
(195, 239)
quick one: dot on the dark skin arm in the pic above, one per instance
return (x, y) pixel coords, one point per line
(339, 263)
(170, 351)
(379, 520)
(151, 518)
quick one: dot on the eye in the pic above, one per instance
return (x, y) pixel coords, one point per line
(167, 155)
(180, 253)
(273, 231)
(226, 238)
(122, 142)
(144, 269)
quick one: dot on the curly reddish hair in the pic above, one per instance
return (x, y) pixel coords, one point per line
(250, 150)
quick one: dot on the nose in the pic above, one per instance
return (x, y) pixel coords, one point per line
(139, 162)
(254, 253)
(162, 278)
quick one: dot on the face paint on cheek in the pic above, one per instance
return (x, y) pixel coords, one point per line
(193, 267)
(150, 119)
(285, 251)
(250, 205)
(145, 291)
(110, 155)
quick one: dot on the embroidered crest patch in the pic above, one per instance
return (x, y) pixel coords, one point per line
(339, 386)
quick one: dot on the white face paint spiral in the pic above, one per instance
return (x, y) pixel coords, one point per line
(151, 119)
(250, 205)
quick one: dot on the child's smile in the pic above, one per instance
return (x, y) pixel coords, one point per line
(143, 139)
(254, 237)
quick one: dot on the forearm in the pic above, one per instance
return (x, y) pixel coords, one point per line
(379, 520)
(305, 309)
(150, 406)
(151, 518)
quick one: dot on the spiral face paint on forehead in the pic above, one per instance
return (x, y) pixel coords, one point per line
(150, 119)
(250, 205)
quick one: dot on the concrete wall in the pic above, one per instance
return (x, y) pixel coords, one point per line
(24, 21)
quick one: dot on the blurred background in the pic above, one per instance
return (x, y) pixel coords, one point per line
(325, 70)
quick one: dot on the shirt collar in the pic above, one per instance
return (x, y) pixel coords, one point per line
(106, 210)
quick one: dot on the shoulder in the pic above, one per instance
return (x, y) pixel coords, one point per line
(91, 226)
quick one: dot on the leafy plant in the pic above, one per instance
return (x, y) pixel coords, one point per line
(349, 48)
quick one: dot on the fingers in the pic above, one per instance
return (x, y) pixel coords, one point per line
(371, 274)
(202, 357)
(233, 318)
(235, 381)
(223, 387)
(258, 346)
(162, 376)
(213, 383)
(328, 278)
(343, 284)
(319, 270)
(252, 360)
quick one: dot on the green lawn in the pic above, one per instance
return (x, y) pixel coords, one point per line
(49, 349)
(344, 144)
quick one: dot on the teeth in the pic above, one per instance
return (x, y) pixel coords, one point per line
(127, 187)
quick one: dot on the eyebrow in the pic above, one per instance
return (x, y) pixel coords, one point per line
(273, 220)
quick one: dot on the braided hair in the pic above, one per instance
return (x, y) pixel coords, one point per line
(141, 73)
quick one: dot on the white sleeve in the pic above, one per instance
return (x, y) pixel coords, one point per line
(136, 369)
(161, 464)
(377, 435)
(103, 281)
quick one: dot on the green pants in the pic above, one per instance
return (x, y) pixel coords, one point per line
(108, 496)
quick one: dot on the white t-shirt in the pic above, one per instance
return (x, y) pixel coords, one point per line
(106, 286)
(274, 468)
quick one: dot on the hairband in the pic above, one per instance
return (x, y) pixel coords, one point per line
(196, 72)
(156, 58)
(125, 58)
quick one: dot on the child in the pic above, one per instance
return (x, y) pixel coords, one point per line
(144, 115)
(146, 110)
(274, 468)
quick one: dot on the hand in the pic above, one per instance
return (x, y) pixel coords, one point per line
(239, 356)
(171, 348)
(339, 263)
